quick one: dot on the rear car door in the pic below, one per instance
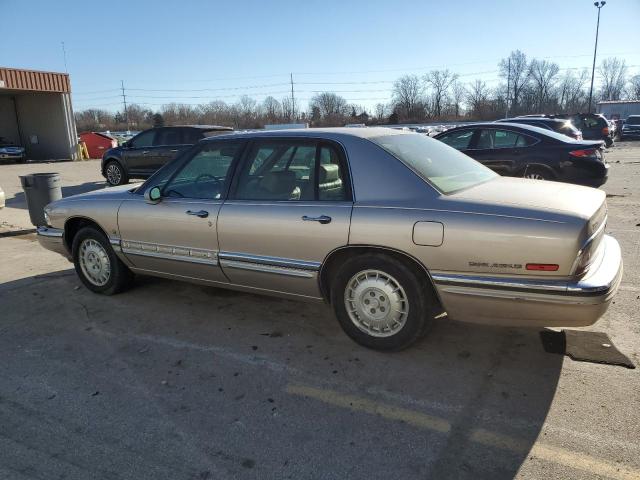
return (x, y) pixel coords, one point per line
(139, 153)
(289, 207)
(169, 143)
(497, 149)
(178, 235)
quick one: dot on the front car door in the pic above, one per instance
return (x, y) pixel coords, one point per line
(289, 207)
(177, 236)
(139, 153)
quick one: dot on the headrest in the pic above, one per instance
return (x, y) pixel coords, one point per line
(279, 183)
(329, 173)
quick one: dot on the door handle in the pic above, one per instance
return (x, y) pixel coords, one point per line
(145, 152)
(173, 150)
(200, 213)
(322, 219)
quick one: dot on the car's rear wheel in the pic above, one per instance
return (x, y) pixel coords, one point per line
(97, 265)
(381, 302)
(536, 173)
(115, 174)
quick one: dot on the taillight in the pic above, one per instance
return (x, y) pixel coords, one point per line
(605, 131)
(542, 267)
(589, 152)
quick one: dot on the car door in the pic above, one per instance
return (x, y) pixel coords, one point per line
(289, 207)
(169, 143)
(497, 149)
(459, 139)
(178, 235)
(139, 153)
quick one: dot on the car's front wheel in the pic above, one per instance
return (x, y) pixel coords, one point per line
(115, 174)
(381, 302)
(97, 265)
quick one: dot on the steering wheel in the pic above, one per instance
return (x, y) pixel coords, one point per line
(205, 177)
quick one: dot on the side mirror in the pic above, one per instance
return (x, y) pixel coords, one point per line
(153, 195)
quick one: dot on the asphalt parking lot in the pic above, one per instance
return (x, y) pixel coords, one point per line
(178, 381)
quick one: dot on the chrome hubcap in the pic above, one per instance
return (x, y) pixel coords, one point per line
(114, 175)
(94, 262)
(534, 176)
(376, 302)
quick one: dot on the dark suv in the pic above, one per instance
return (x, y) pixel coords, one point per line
(593, 126)
(631, 128)
(145, 153)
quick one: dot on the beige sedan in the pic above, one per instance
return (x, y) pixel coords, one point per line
(392, 228)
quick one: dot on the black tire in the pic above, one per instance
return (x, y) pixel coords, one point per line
(537, 173)
(608, 142)
(119, 278)
(420, 296)
(115, 173)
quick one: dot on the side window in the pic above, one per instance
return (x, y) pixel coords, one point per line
(525, 141)
(287, 170)
(145, 139)
(191, 136)
(332, 180)
(205, 174)
(459, 140)
(485, 140)
(168, 136)
(504, 139)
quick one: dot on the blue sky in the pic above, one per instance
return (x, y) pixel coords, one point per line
(356, 48)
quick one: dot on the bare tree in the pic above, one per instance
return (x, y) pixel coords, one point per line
(458, 93)
(272, 109)
(633, 92)
(408, 95)
(614, 77)
(331, 107)
(440, 81)
(572, 91)
(477, 97)
(382, 111)
(515, 70)
(543, 77)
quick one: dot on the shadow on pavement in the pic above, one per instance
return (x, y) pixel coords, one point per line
(172, 380)
(20, 201)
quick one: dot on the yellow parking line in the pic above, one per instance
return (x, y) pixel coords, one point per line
(363, 405)
(561, 456)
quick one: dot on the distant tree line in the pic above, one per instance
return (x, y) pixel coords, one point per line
(528, 85)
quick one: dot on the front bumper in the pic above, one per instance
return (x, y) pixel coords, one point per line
(630, 133)
(53, 239)
(541, 303)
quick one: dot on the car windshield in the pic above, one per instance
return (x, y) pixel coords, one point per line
(633, 120)
(441, 165)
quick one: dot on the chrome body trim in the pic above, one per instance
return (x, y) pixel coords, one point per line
(170, 252)
(259, 267)
(598, 281)
(50, 232)
(269, 261)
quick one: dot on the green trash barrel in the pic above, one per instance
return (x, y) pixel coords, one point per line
(40, 189)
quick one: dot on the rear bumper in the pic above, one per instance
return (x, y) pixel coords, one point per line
(52, 239)
(542, 303)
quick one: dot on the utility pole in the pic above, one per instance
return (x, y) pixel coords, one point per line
(124, 101)
(293, 102)
(598, 5)
(506, 114)
(64, 56)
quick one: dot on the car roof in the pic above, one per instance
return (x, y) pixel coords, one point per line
(335, 132)
(515, 126)
(533, 119)
(199, 127)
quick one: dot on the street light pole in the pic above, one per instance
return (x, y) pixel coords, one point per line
(598, 5)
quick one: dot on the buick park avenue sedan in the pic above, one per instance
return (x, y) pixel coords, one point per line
(391, 228)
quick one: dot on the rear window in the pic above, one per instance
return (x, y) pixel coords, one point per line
(442, 166)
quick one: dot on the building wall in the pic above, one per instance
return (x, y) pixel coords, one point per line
(46, 118)
(8, 124)
(619, 109)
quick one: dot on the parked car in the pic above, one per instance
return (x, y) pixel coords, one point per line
(631, 128)
(390, 227)
(554, 124)
(518, 150)
(11, 151)
(592, 125)
(149, 150)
